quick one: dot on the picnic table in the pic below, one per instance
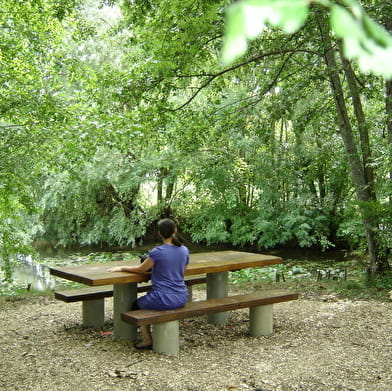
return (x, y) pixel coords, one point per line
(216, 265)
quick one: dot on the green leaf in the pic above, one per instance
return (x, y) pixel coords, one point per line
(376, 32)
(343, 23)
(291, 15)
(246, 20)
(235, 43)
(363, 40)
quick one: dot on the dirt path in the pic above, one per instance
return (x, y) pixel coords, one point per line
(318, 344)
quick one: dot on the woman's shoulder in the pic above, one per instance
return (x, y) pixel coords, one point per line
(185, 248)
(157, 249)
(165, 247)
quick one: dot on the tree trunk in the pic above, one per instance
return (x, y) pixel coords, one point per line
(161, 175)
(362, 124)
(388, 108)
(164, 197)
(168, 198)
(321, 177)
(364, 194)
(387, 21)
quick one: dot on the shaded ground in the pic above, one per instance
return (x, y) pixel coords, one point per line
(319, 343)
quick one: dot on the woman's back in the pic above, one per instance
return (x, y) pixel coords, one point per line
(169, 266)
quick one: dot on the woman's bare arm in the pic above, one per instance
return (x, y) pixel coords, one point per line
(142, 268)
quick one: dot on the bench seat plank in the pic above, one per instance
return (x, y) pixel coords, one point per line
(85, 293)
(100, 292)
(145, 317)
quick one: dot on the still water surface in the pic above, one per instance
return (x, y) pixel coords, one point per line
(35, 276)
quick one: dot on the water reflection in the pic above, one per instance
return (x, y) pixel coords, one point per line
(35, 276)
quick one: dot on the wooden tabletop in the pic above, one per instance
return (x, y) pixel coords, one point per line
(200, 263)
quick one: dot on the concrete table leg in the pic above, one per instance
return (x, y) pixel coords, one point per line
(166, 337)
(124, 295)
(260, 320)
(217, 287)
(93, 313)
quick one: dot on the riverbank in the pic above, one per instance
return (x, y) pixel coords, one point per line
(321, 343)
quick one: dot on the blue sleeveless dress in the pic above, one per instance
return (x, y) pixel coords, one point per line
(168, 289)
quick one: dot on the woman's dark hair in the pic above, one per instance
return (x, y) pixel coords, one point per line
(167, 229)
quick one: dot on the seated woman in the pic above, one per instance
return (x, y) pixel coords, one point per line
(168, 263)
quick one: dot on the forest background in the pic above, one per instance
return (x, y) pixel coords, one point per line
(114, 114)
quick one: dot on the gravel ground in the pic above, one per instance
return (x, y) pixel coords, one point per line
(319, 343)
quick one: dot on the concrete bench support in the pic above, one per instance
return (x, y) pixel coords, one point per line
(260, 320)
(166, 337)
(93, 313)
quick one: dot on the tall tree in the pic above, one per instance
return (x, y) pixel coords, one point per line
(361, 169)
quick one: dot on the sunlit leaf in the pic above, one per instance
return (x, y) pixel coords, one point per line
(343, 22)
(363, 40)
(291, 14)
(376, 32)
(246, 20)
(254, 17)
(235, 43)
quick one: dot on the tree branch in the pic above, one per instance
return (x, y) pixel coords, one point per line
(213, 76)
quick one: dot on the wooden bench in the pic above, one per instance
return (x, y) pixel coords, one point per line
(93, 304)
(166, 329)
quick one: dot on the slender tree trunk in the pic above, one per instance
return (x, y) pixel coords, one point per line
(168, 197)
(388, 101)
(362, 186)
(386, 9)
(164, 195)
(321, 176)
(362, 124)
(388, 108)
(160, 188)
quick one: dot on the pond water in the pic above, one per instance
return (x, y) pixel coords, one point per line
(34, 276)
(33, 273)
